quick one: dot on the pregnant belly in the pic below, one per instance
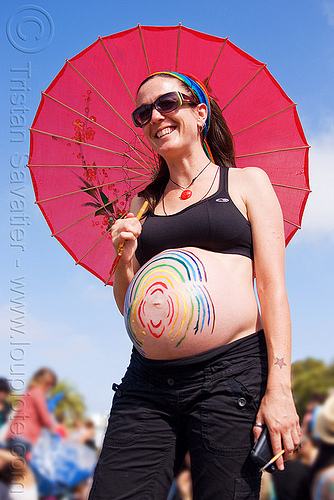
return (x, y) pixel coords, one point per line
(170, 306)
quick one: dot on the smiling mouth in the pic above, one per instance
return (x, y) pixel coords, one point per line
(165, 131)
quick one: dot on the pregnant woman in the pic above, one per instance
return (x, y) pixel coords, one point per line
(207, 370)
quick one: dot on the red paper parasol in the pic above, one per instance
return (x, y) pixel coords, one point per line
(87, 160)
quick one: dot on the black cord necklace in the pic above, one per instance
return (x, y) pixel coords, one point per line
(205, 195)
(186, 192)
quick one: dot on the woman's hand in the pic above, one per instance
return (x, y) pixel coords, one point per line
(277, 411)
(126, 231)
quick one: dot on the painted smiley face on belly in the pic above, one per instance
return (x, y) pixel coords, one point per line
(168, 299)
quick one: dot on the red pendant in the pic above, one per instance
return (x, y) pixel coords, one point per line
(186, 194)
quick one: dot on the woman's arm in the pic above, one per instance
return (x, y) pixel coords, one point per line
(126, 230)
(39, 401)
(9, 457)
(277, 408)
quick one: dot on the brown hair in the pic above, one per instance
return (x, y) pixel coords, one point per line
(41, 374)
(219, 139)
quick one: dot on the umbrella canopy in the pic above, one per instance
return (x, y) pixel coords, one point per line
(87, 160)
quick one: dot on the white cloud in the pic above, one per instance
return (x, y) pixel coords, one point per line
(318, 220)
(74, 347)
(17, 324)
(57, 344)
(328, 8)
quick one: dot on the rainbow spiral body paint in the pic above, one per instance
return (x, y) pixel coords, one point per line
(168, 298)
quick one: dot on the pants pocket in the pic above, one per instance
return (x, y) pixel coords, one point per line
(126, 423)
(229, 409)
(129, 413)
(247, 488)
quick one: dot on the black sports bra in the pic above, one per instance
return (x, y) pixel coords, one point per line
(214, 223)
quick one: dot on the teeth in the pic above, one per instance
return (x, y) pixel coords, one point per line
(165, 131)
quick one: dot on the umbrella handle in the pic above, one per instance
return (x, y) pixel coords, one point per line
(121, 245)
(142, 210)
(138, 216)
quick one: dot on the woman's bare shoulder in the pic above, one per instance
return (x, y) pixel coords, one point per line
(249, 175)
(251, 183)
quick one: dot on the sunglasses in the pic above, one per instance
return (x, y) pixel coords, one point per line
(164, 104)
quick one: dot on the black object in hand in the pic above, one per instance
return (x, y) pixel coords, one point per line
(262, 451)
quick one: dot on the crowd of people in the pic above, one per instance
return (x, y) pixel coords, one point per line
(36, 443)
(309, 475)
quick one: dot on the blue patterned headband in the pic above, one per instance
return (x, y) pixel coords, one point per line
(198, 90)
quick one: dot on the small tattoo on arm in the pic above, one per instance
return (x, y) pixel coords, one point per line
(280, 362)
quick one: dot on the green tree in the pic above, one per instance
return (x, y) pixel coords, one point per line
(310, 377)
(72, 404)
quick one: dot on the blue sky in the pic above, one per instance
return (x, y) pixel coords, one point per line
(70, 320)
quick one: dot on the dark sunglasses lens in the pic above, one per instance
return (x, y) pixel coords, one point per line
(164, 104)
(142, 115)
(167, 103)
